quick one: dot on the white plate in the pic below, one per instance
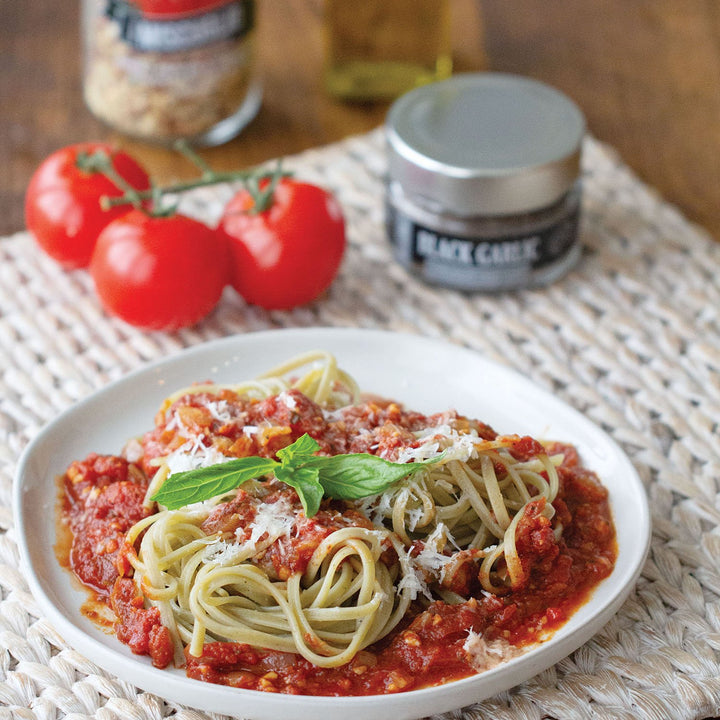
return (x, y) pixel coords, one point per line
(424, 374)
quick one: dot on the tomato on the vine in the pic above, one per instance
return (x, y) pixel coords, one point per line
(62, 202)
(159, 272)
(287, 254)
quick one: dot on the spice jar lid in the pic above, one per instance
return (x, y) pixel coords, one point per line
(485, 143)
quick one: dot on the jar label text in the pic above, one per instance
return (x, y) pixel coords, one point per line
(231, 20)
(476, 262)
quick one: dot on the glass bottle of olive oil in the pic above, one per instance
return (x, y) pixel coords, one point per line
(379, 49)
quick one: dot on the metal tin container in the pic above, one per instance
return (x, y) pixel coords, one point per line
(483, 182)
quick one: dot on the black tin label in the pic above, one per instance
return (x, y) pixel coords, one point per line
(476, 263)
(229, 21)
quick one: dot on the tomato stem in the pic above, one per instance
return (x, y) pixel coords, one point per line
(130, 198)
(263, 197)
(253, 178)
(185, 149)
(99, 161)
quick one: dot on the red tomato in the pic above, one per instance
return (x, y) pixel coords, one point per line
(62, 202)
(289, 253)
(159, 273)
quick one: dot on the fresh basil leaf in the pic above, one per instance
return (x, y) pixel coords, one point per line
(304, 446)
(307, 485)
(344, 477)
(355, 476)
(186, 488)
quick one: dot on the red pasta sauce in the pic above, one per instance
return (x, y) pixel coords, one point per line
(103, 496)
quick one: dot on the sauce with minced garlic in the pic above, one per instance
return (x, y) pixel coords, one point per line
(103, 495)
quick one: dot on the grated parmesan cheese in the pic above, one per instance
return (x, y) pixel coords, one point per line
(219, 410)
(192, 455)
(484, 655)
(441, 438)
(272, 523)
(413, 517)
(428, 564)
(413, 580)
(414, 584)
(275, 520)
(133, 450)
(430, 559)
(288, 400)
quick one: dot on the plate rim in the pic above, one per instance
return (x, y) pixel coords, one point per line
(182, 688)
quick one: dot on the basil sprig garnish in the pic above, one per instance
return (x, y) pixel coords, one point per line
(342, 477)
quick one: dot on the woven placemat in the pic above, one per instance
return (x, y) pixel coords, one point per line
(631, 337)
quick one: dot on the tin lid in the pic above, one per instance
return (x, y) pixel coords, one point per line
(485, 144)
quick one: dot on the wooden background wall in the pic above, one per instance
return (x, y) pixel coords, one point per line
(646, 73)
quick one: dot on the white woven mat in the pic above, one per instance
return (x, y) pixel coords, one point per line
(631, 338)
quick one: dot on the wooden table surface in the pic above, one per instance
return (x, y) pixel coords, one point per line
(40, 73)
(641, 74)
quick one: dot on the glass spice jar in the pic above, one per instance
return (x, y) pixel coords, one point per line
(163, 70)
(483, 182)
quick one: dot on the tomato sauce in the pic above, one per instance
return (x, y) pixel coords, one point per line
(104, 496)
(430, 649)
